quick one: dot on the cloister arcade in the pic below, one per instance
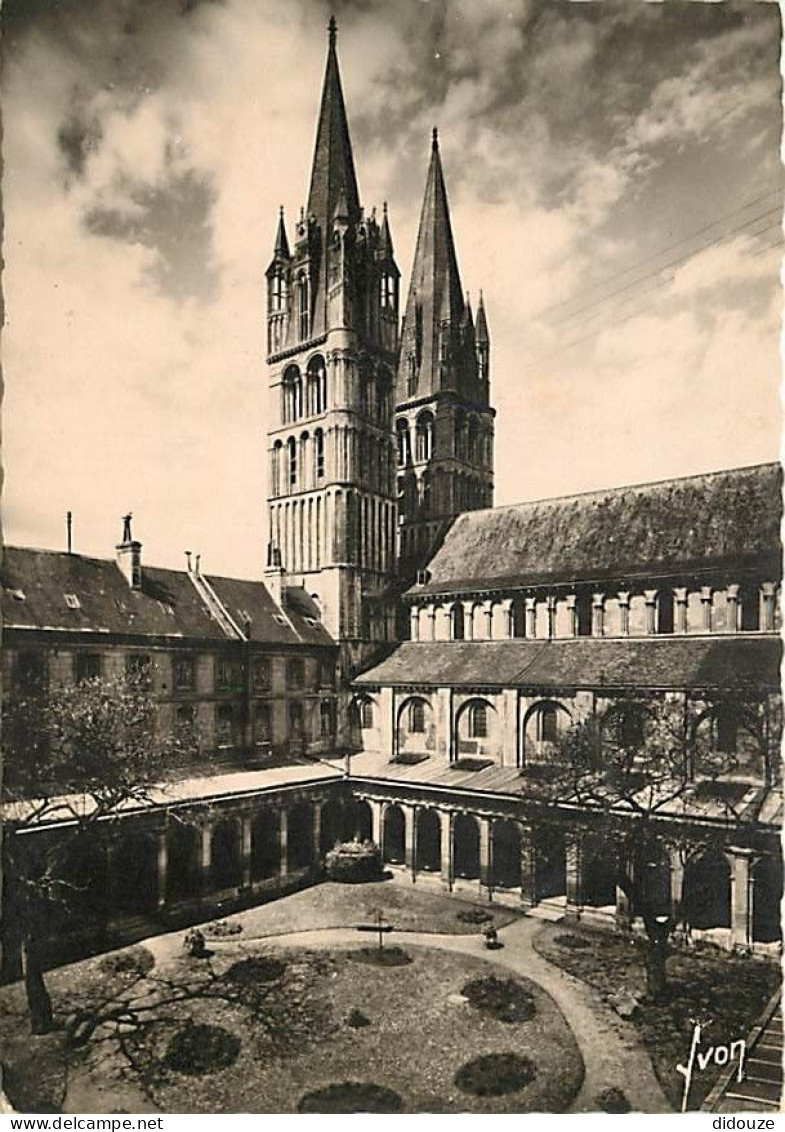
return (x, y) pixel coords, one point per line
(177, 866)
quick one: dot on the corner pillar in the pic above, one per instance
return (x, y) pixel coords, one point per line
(740, 903)
(445, 824)
(161, 867)
(486, 856)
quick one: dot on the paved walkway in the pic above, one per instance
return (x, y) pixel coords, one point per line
(610, 1048)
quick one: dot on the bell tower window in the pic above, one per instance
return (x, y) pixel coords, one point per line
(303, 314)
(291, 448)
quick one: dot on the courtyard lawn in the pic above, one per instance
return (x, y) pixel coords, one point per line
(255, 1028)
(332, 905)
(725, 992)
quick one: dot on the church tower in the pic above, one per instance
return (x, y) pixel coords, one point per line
(443, 415)
(332, 340)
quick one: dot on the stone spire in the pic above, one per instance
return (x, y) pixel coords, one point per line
(481, 328)
(281, 251)
(435, 291)
(386, 249)
(333, 164)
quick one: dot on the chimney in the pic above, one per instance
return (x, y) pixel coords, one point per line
(274, 574)
(129, 556)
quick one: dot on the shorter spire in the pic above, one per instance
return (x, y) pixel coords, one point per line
(281, 240)
(481, 331)
(435, 140)
(385, 236)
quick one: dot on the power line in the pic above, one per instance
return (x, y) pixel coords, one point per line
(639, 310)
(671, 247)
(671, 263)
(663, 282)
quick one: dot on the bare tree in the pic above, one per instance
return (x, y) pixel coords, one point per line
(639, 773)
(74, 758)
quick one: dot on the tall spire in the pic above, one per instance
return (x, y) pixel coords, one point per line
(435, 291)
(385, 236)
(333, 163)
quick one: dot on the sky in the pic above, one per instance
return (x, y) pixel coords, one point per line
(615, 184)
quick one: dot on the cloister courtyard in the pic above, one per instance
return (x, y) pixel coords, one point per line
(292, 1008)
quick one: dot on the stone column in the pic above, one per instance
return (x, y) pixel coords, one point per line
(732, 620)
(487, 611)
(680, 603)
(410, 840)
(317, 834)
(572, 613)
(550, 605)
(283, 844)
(650, 597)
(528, 866)
(769, 591)
(431, 613)
(245, 850)
(740, 903)
(414, 623)
(468, 620)
(486, 856)
(376, 821)
(624, 612)
(531, 617)
(445, 825)
(205, 857)
(502, 619)
(677, 880)
(572, 847)
(706, 608)
(597, 615)
(161, 862)
(444, 624)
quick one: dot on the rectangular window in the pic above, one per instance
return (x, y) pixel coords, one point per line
(327, 674)
(184, 674)
(138, 668)
(88, 666)
(295, 721)
(31, 671)
(262, 725)
(224, 725)
(228, 675)
(295, 674)
(185, 718)
(262, 674)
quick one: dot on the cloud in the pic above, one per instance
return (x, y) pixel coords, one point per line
(148, 146)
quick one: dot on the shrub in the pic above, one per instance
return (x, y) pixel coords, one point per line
(223, 928)
(474, 916)
(136, 961)
(199, 1048)
(354, 862)
(495, 1074)
(502, 999)
(613, 1100)
(351, 1096)
(384, 956)
(572, 941)
(258, 969)
(357, 1019)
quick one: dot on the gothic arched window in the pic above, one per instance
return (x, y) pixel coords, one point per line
(291, 446)
(417, 717)
(318, 438)
(303, 313)
(478, 721)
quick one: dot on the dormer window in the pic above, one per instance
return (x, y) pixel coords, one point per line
(72, 601)
(17, 595)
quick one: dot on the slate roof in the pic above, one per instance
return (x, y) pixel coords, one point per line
(583, 662)
(762, 805)
(167, 605)
(666, 527)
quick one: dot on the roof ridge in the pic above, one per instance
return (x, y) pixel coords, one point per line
(770, 464)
